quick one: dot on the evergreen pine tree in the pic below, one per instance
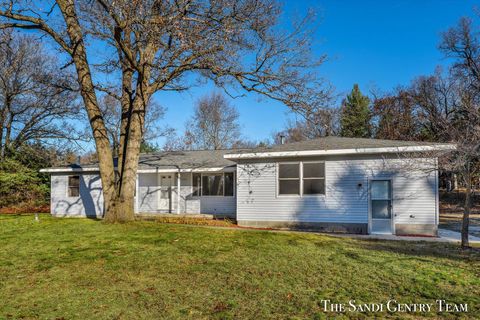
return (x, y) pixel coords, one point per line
(356, 116)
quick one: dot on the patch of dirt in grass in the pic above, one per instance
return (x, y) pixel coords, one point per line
(25, 209)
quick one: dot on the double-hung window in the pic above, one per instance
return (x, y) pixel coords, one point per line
(301, 178)
(289, 178)
(313, 178)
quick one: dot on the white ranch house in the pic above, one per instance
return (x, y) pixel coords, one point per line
(330, 184)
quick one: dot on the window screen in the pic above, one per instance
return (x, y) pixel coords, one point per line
(73, 186)
(314, 178)
(289, 178)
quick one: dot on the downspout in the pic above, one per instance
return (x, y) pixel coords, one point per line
(137, 209)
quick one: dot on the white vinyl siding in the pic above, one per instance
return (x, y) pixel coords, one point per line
(88, 203)
(346, 191)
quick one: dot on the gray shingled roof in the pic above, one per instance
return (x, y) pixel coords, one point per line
(335, 143)
(185, 159)
(173, 160)
(215, 158)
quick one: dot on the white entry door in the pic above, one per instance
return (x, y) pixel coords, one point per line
(381, 206)
(165, 196)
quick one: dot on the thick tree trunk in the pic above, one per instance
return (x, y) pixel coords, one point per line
(131, 132)
(2, 125)
(8, 133)
(87, 90)
(466, 209)
(118, 185)
(129, 150)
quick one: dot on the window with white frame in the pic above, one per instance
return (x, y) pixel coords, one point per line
(289, 178)
(313, 177)
(73, 186)
(310, 180)
(213, 184)
(197, 184)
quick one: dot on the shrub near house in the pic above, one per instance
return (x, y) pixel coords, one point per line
(21, 188)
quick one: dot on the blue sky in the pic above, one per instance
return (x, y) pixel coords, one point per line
(377, 44)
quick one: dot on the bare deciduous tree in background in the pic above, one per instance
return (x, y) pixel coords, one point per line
(395, 117)
(35, 97)
(462, 44)
(112, 113)
(155, 45)
(438, 108)
(214, 124)
(319, 122)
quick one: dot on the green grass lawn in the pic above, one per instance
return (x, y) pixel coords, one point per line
(85, 269)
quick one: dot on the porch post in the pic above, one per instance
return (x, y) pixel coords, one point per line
(137, 209)
(178, 192)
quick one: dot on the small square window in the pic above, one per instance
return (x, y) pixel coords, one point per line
(74, 186)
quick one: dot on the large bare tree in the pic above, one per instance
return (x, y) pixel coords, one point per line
(35, 97)
(153, 45)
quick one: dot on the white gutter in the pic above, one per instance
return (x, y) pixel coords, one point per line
(282, 154)
(217, 169)
(54, 170)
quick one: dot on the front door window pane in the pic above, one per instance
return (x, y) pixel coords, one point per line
(381, 209)
(380, 190)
